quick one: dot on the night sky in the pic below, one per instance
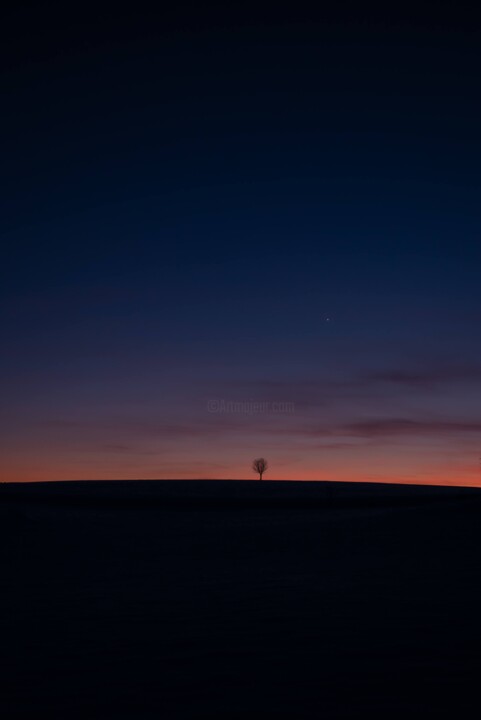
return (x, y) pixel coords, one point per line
(230, 233)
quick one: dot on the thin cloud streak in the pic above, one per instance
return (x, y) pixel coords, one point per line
(395, 427)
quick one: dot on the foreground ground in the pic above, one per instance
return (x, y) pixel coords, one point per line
(239, 600)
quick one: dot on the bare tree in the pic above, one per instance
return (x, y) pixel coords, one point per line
(260, 466)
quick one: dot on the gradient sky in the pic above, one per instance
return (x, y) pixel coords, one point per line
(230, 234)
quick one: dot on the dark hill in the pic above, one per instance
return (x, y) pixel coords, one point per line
(237, 599)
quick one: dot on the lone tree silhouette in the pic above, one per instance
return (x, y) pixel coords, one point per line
(260, 466)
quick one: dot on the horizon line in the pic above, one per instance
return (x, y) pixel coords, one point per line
(249, 480)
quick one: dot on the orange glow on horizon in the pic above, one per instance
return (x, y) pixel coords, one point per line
(26, 472)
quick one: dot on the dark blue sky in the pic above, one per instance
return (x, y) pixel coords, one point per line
(211, 209)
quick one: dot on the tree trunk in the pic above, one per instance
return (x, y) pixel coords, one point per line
(260, 476)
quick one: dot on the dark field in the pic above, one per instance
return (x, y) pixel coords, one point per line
(239, 600)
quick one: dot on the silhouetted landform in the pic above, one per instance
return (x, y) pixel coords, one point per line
(239, 599)
(232, 493)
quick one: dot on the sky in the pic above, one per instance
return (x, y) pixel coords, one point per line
(230, 233)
